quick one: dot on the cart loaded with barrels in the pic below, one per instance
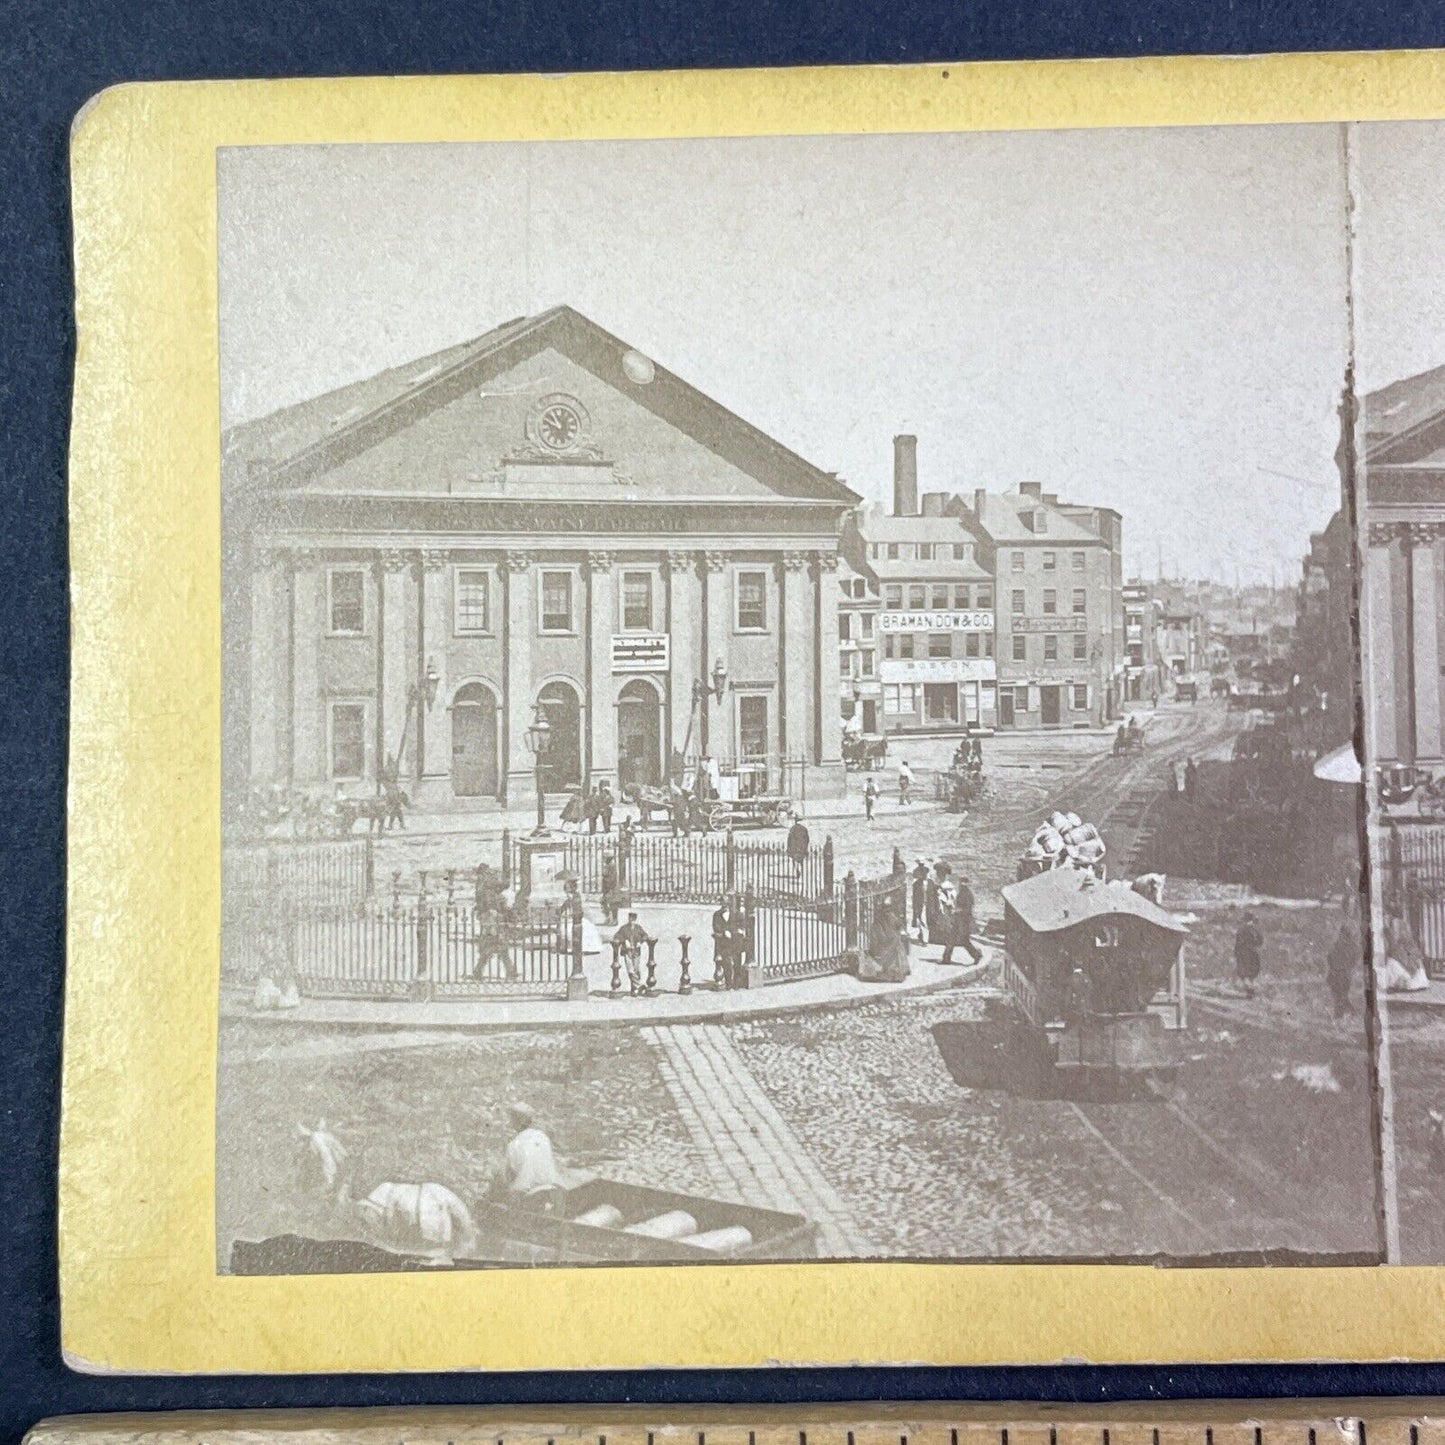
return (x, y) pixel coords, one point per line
(598, 1221)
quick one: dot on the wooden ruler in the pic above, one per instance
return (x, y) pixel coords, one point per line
(1209, 1422)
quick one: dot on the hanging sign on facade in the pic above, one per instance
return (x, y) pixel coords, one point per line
(640, 652)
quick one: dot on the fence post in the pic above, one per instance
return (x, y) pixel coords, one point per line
(828, 864)
(506, 857)
(850, 911)
(576, 980)
(368, 867)
(752, 972)
(421, 984)
(730, 864)
(684, 983)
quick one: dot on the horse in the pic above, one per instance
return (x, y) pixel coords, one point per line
(647, 800)
(425, 1219)
(379, 813)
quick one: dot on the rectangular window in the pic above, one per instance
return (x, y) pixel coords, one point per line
(473, 600)
(1051, 648)
(845, 627)
(893, 595)
(1081, 645)
(917, 596)
(1081, 696)
(556, 602)
(1041, 521)
(866, 619)
(925, 551)
(940, 644)
(961, 597)
(348, 739)
(346, 594)
(893, 551)
(1017, 562)
(887, 644)
(752, 725)
(890, 698)
(1078, 561)
(637, 601)
(1051, 601)
(962, 551)
(866, 661)
(940, 596)
(1021, 699)
(1050, 561)
(905, 644)
(1018, 603)
(970, 644)
(985, 597)
(752, 611)
(1021, 647)
(1080, 602)
(988, 644)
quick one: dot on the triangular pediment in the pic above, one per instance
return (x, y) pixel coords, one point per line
(549, 408)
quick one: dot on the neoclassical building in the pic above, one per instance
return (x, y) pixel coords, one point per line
(542, 517)
(1401, 516)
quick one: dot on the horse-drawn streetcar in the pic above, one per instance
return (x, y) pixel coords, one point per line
(1092, 996)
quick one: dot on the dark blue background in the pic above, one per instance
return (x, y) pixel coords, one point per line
(52, 57)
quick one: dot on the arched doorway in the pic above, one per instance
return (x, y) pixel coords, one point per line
(639, 735)
(562, 766)
(475, 769)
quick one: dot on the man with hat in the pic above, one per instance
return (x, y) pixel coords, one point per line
(528, 1173)
(920, 893)
(628, 941)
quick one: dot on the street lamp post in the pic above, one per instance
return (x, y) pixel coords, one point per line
(539, 739)
(702, 689)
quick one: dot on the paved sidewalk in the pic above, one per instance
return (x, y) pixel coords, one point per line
(749, 1149)
(837, 990)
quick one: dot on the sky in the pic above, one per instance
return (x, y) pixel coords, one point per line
(1149, 320)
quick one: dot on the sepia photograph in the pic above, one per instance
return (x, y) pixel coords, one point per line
(796, 699)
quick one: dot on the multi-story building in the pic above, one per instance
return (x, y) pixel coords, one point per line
(538, 524)
(1141, 637)
(1401, 533)
(1059, 638)
(860, 691)
(936, 622)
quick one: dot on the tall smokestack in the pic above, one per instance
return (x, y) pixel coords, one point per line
(905, 476)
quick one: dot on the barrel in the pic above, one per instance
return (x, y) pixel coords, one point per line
(601, 1216)
(673, 1225)
(721, 1241)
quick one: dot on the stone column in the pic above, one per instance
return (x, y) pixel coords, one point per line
(517, 709)
(684, 625)
(397, 735)
(1424, 542)
(715, 719)
(827, 729)
(436, 631)
(308, 725)
(795, 657)
(601, 703)
(270, 638)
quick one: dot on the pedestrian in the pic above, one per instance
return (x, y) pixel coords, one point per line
(798, 842)
(870, 797)
(527, 1172)
(626, 833)
(611, 887)
(627, 942)
(1248, 953)
(592, 810)
(1345, 956)
(726, 941)
(905, 782)
(677, 808)
(897, 867)
(936, 905)
(605, 803)
(963, 906)
(1191, 777)
(920, 894)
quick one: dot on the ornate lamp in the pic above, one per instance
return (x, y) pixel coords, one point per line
(719, 679)
(433, 680)
(539, 739)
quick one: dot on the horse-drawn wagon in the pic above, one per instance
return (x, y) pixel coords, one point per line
(599, 1221)
(864, 752)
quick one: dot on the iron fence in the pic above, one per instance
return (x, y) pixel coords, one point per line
(659, 868)
(790, 939)
(1411, 863)
(438, 950)
(297, 873)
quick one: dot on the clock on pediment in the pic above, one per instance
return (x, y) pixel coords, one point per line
(559, 424)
